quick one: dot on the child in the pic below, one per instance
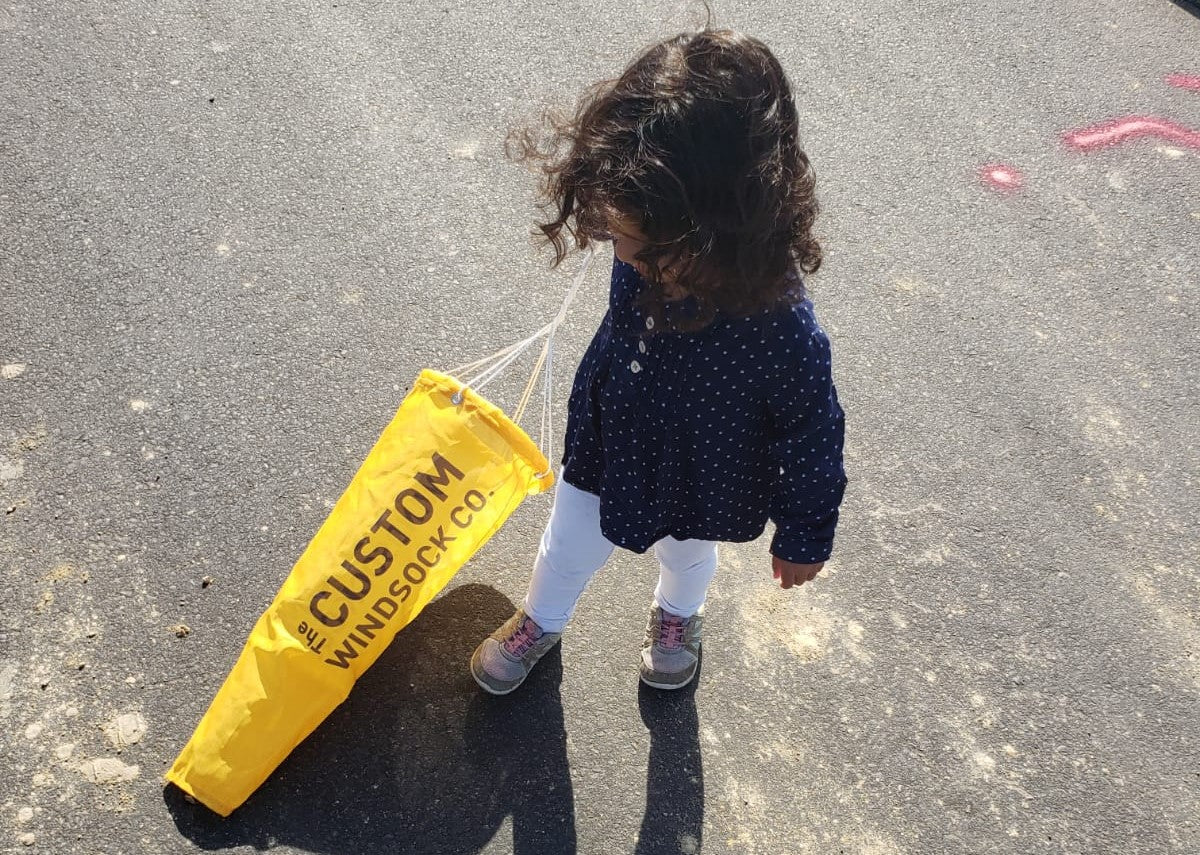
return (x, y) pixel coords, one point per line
(705, 403)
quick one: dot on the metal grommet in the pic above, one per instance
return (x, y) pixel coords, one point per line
(649, 323)
(457, 397)
(635, 366)
(641, 347)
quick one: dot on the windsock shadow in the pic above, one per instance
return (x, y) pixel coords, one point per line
(418, 759)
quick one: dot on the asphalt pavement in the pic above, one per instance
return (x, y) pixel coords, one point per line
(232, 234)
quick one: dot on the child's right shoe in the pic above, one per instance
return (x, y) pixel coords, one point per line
(505, 658)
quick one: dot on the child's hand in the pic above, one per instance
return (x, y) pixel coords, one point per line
(791, 574)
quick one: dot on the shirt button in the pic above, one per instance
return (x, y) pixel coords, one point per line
(635, 366)
(641, 347)
(649, 323)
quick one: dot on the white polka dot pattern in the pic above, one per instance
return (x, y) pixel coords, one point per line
(711, 433)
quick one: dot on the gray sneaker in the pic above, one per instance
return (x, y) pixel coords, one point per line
(671, 651)
(505, 658)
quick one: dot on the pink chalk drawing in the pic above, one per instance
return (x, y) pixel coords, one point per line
(1005, 178)
(1116, 131)
(1184, 81)
(1001, 176)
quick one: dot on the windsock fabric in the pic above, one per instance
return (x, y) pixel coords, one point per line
(440, 481)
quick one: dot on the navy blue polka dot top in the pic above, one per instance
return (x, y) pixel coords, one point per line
(707, 435)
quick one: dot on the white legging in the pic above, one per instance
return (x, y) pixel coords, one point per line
(573, 549)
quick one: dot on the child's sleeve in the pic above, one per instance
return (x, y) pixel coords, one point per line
(807, 436)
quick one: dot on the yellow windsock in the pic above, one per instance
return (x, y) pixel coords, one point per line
(442, 478)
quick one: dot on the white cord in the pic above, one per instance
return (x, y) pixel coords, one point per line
(492, 366)
(519, 412)
(499, 354)
(548, 329)
(483, 378)
(548, 404)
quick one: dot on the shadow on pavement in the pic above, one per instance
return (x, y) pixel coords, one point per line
(1192, 6)
(674, 816)
(418, 759)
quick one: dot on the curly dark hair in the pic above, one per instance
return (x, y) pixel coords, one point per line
(697, 142)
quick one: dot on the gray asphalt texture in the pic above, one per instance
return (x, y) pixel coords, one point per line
(232, 234)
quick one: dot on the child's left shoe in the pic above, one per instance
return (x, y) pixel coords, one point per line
(671, 651)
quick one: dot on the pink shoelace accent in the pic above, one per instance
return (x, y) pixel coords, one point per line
(525, 636)
(671, 631)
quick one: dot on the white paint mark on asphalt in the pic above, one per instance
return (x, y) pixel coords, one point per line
(934, 556)
(27, 839)
(13, 370)
(984, 762)
(803, 630)
(877, 845)
(108, 770)
(218, 47)
(1170, 151)
(138, 405)
(1178, 623)
(915, 286)
(126, 729)
(467, 150)
(63, 752)
(1102, 424)
(7, 675)
(809, 641)
(11, 470)
(223, 250)
(34, 730)
(24, 815)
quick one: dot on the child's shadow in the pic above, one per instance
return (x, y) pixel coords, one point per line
(418, 759)
(674, 817)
